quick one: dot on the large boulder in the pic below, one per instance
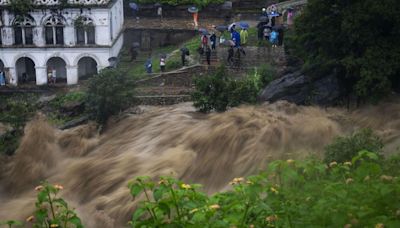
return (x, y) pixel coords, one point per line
(300, 89)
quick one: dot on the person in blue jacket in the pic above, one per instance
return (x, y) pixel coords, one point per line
(236, 38)
(148, 65)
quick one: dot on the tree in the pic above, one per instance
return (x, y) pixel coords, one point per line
(108, 93)
(359, 40)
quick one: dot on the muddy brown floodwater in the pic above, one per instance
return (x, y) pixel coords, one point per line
(208, 149)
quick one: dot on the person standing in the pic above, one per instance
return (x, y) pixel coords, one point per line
(159, 12)
(204, 41)
(208, 55)
(243, 36)
(54, 75)
(2, 78)
(231, 52)
(196, 19)
(274, 38)
(149, 66)
(213, 39)
(184, 52)
(162, 64)
(267, 33)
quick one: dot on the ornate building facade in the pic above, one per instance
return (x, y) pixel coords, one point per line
(71, 39)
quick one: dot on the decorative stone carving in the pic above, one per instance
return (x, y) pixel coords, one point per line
(58, 2)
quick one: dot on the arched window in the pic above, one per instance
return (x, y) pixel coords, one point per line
(85, 30)
(23, 30)
(54, 30)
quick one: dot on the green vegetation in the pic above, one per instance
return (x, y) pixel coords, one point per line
(15, 111)
(108, 93)
(344, 148)
(358, 193)
(21, 7)
(219, 92)
(358, 40)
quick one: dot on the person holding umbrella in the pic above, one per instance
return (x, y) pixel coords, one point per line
(135, 9)
(195, 12)
(159, 10)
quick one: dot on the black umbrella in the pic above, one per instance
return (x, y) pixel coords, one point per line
(135, 44)
(221, 28)
(204, 31)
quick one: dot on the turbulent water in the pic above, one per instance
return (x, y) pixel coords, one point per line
(208, 149)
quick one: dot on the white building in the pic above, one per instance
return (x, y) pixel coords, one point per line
(69, 38)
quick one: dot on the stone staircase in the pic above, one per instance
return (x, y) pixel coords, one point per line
(214, 58)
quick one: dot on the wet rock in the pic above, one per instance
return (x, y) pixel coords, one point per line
(301, 89)
(73, 108)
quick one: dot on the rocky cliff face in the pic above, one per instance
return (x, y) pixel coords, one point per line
(298, 88)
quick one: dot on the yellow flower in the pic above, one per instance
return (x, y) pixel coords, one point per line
(39, 188)
(349, 181)
(386, 178)
(379, 225)
(54, 225)
(332, 164)
(274, 190)
(58, 187)
(215, 206)
(30, 218)
(162, 182)
(186, 186)
(348, 163)
(271, 218)
(249, 182)
(367, 178)
(237, 180)
(193, 211)
(290, 161)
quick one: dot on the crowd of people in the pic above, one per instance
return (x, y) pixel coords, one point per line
(235, 37)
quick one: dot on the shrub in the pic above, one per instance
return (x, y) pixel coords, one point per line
(344, 148)
(219, 92)
(289, 194)
(212, 92)
(108, 93)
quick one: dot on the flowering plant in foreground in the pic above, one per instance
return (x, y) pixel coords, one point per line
(363, 192)
(51, 210)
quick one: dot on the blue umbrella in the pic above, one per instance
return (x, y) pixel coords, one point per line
(274, 14)
(134, 6)
(193, 9)
(244, 25)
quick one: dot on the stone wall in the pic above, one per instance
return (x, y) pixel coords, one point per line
(155, 38)
(162, 100)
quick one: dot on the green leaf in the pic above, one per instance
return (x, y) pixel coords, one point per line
(136, 189)
(138, 213)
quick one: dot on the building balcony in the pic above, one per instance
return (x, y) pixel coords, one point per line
(62, 2)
